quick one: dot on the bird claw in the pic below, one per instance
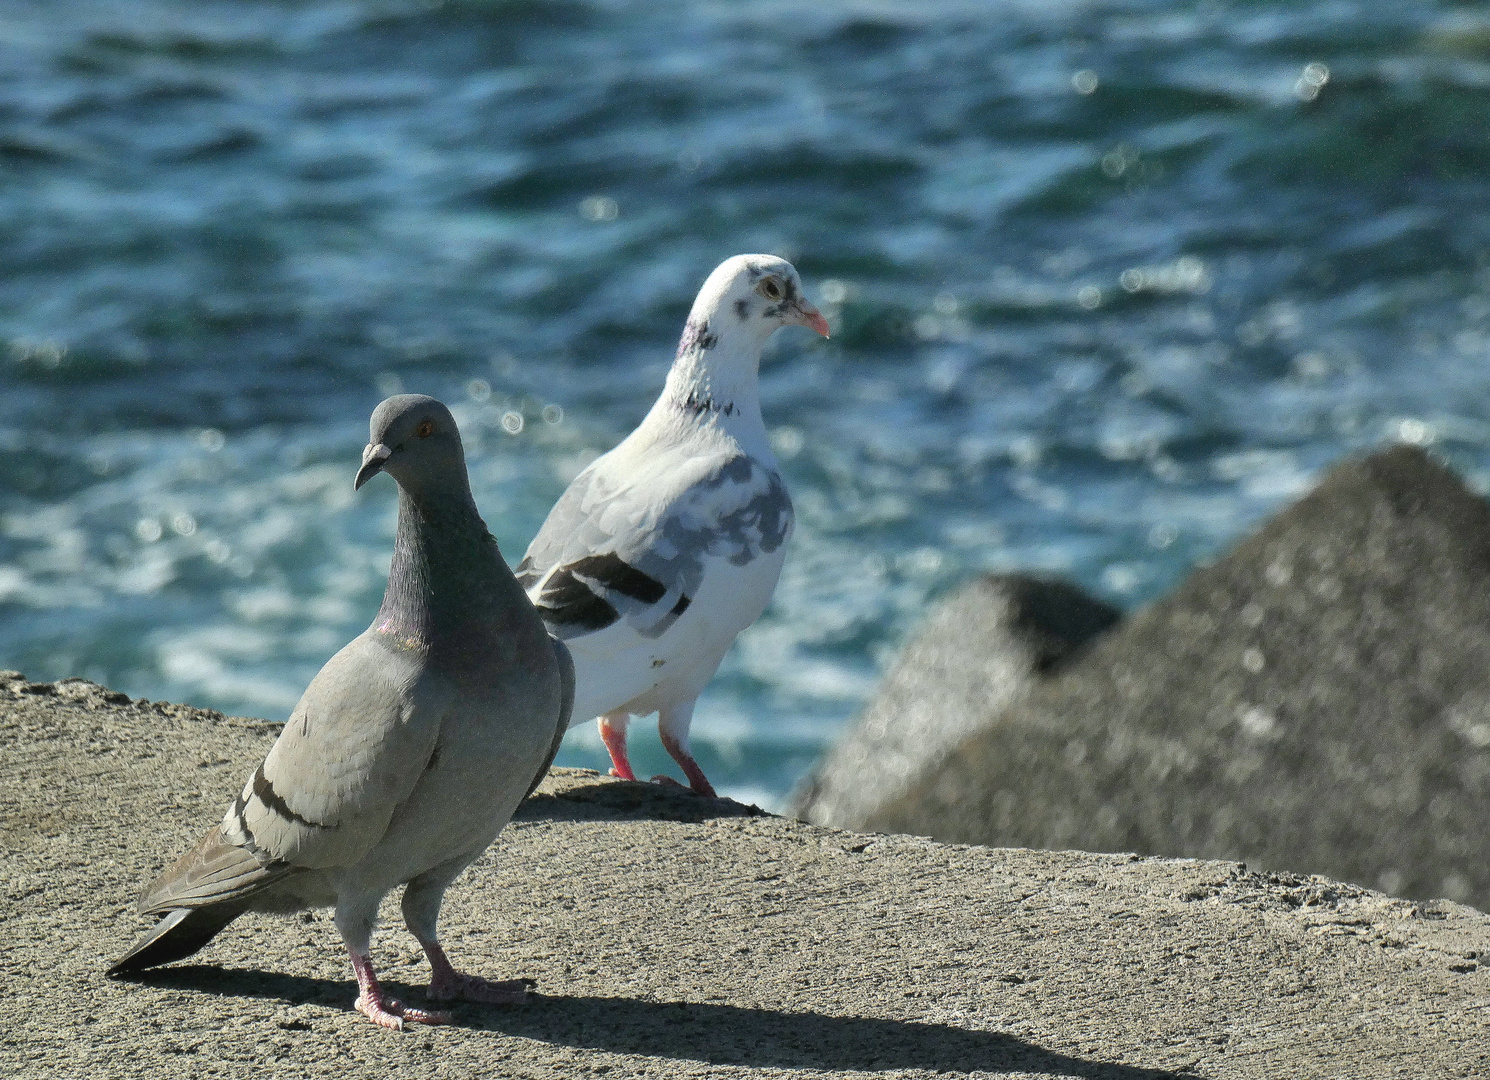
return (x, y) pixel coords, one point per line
(393, 1014)
(457, 986)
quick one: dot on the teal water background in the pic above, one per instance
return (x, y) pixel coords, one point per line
(1109, 282)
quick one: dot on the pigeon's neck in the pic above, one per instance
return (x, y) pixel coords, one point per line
(715, 379)
(447, 577)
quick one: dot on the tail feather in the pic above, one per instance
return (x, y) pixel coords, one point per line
(178, 935)
(212, 873)
(203, 891)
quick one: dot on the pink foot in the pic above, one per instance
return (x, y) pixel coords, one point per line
(696, 778)
(613, 734)
(447, 984)
(700, 783)
(389, 1013)
(385, 1011)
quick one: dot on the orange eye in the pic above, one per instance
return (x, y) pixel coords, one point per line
(425, 429)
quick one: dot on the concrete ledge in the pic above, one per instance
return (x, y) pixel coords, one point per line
(676, 937)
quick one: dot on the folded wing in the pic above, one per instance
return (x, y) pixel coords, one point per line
(351, 752)
(633, 545)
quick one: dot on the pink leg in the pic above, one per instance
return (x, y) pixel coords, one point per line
(385, 1011)
(696, 778)
(447, 984)
(613, 734)
(672, 725)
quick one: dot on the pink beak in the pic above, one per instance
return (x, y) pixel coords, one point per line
(809, 316)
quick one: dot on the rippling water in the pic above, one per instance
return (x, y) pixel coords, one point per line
(1109, 282)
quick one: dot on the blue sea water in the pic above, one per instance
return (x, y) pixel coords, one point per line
(1109, 280)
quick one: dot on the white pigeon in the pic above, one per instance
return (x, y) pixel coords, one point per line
(664, 549)
(408, 751)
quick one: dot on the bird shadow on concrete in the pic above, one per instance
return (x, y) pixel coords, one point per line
(716, 1034)
(742, 1036)
(248, 983)
(610, 800)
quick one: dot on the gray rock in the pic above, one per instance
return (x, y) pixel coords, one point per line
(1318, 700)
(678, 938)
(980, 650)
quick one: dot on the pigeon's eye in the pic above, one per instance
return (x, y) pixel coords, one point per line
(771, 289)
(425, 429)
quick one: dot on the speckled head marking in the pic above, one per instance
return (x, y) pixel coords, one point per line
(742, 303)
(697, 337)
(762, 292)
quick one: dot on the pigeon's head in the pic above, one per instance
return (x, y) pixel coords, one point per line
(413, 438)
(758, 294)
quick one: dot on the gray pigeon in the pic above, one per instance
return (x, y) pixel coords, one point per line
(408, 752)
(664, 549)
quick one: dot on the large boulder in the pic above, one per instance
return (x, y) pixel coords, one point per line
(980, 651)
(1317, 700)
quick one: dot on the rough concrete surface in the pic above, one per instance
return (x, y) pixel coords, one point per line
(672, 936)
(1316, 700)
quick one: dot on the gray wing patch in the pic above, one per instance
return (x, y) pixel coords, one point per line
(740, 512)
(600, 558)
